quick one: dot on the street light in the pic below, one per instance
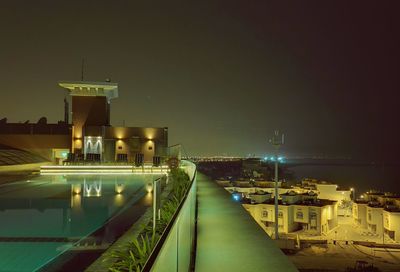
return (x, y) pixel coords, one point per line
(383, 230)
(354, 193)
(277, 140)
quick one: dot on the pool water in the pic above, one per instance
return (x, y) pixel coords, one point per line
(43, 217)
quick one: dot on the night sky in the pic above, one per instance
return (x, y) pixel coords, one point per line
(222, 75)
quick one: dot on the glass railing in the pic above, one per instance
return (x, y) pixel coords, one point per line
(174, 250)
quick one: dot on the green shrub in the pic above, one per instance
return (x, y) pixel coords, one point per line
(138, 250)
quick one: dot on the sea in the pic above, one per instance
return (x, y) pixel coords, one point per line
(362, 178)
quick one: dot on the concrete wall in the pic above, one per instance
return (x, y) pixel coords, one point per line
(88, 111)
(360, 214)
(328, 191)
(391, 222)
(374, 219)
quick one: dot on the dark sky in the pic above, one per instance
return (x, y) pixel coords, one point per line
(222, 75)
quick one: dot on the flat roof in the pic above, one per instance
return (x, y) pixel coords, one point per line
(91, 88)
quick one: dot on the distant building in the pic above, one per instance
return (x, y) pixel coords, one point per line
(296, 212)
(327, 190)
(391, 222)
(90, 137)
(323, 189)
(378, 213)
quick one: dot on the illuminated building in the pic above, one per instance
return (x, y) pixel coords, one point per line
(378, 212)
(90, 137)
(327, 190)
(295, 212)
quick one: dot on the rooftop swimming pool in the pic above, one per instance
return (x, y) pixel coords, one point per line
(44, 217)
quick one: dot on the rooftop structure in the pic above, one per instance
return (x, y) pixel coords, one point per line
(86, 88)
(90, 138)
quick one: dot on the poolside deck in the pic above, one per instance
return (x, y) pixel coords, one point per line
(228, 238)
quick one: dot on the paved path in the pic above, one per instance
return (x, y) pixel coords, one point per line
(228, 237)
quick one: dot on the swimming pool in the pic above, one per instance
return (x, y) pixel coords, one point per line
(44, 217)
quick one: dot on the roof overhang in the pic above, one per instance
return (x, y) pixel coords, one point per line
(87, 88)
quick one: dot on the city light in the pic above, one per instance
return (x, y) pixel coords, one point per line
(280, 159)
(236, 197)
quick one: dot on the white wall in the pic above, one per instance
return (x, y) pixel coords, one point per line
(374, 219)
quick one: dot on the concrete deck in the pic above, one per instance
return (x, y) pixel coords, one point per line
(228, 238)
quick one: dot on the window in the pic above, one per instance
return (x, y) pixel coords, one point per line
(299, 215)
(313, 215)
(280, 214)
(264, 213)
(150, 148)
(369, 216)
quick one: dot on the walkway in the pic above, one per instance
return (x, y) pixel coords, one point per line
(228, 238)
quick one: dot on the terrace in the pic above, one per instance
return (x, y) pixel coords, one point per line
(225, 237)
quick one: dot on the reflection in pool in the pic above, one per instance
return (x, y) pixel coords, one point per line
(43, 217)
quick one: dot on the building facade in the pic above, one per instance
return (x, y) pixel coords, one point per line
(90, 137)
(378, 213)
(296, 212)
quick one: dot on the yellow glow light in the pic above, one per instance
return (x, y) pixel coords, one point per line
(149, 187)
(119, 200)
(119, 188)
(77, 189)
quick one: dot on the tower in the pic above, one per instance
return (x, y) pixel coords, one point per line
(90, 107)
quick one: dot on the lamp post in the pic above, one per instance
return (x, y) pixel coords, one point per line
(156, 202)
(383, 229)
(276, 141)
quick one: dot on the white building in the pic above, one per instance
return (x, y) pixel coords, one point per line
(359, 211)
(391, 222)
(247, 191)
(375, 217)
(378, 213)
(327, 190)
(296, 212)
